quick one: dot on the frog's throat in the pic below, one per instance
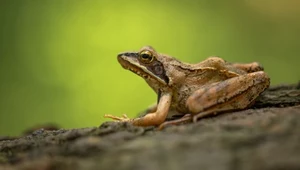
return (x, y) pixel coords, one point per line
(140, 70)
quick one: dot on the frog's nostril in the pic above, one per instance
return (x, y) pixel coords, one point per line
(128, 54)
(133, 54)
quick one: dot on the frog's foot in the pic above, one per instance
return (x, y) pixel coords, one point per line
(185, 118)
(250, 67)
(123, 118)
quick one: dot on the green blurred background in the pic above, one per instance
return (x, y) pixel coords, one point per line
(58, 57)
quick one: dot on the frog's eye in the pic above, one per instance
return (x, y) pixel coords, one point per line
(146, 56)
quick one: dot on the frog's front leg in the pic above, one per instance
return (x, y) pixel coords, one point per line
(150, 109)
(232, 94)
(151, 119)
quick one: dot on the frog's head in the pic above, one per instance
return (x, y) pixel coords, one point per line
(146, 63)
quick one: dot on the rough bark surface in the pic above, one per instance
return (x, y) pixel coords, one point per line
(266, 136)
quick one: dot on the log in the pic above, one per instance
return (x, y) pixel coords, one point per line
(265, 136)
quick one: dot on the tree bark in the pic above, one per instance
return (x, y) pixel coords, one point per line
(265, 136)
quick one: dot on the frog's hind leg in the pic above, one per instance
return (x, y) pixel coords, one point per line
(232, 94)
(185, 118)
(250, 67)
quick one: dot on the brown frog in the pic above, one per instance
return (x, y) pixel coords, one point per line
(192, 90)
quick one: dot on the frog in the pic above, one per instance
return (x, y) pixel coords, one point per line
(192, 91)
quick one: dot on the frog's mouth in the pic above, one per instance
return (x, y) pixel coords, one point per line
(130, 62)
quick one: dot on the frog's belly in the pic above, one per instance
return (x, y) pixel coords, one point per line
(179, 106)
(180, 98)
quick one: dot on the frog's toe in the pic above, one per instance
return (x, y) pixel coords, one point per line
(123, 118)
